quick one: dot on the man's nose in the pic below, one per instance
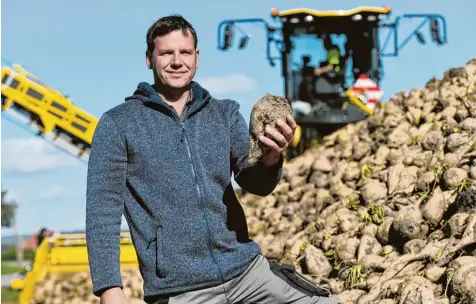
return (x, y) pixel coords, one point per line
(176, 60)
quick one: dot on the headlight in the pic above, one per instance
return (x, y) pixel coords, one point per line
(294, 20)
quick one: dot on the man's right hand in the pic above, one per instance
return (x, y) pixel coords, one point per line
(114, 295)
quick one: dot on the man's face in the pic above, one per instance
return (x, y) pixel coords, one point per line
(174, 59)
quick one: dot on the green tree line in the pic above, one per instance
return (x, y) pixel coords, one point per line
(8, 210)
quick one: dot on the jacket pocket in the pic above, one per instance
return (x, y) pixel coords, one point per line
(159, 248)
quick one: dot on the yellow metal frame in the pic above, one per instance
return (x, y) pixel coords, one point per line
(355, 100)
(297, 136)
(49, 110)
(338, 13)
(66, 253)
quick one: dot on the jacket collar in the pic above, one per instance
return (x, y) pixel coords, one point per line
(145, 92)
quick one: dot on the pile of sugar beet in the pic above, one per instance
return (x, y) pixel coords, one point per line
(383, 210)
(76, 288)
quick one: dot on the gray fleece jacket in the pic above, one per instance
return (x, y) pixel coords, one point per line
(171, 178)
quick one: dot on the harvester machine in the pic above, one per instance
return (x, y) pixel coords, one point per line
(50, 114)
(64, 254)
(331, 61)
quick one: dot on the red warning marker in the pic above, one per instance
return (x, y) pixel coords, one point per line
(368, 91)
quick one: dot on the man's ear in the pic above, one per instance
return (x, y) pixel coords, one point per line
(198, 57)
(148, 60)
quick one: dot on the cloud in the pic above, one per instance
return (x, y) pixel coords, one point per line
(22, 155)
(232, 83)
(124, 225)
(53, 192)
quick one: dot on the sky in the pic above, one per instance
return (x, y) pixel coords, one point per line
(94, 52)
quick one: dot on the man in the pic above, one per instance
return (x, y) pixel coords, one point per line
(164, 158)
(41, 236)
(333, 57)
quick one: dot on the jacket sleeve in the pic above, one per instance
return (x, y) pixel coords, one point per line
(258, 179)
(106, 184)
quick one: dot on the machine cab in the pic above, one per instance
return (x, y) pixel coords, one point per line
(324, 53)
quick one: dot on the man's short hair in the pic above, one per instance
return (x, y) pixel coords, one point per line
(165, 26)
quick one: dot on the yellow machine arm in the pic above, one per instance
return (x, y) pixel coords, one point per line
(47, 111)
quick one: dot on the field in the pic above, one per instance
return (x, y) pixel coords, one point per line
(9, 266)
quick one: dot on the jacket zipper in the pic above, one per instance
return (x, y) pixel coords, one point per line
(184, 139)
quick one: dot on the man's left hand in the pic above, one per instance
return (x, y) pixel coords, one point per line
(276, 141)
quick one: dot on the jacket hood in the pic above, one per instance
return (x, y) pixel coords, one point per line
(147, 94)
